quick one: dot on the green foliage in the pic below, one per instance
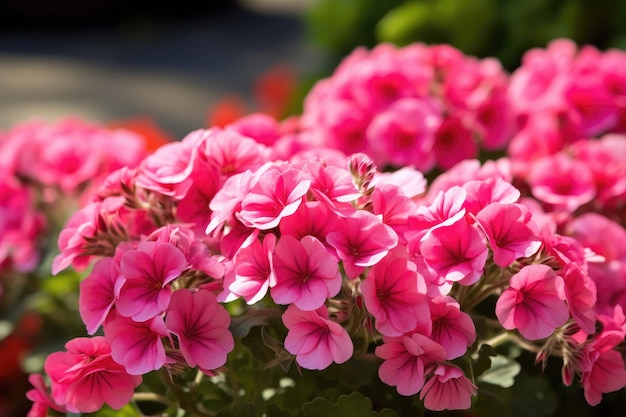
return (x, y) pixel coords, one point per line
(502, 372)
(504, 29)
(353, 405)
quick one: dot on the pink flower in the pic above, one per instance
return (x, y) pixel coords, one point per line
(580, 292)
(201, 325)
(305, 273)
(254, 274)
(510, 231)
(98, 293)
(361, 240)
(457, 252)
(82, 224)
(147, 272)
(277, 193)
(404, 133)
(40, 397)
(452, 328)
(454, 142)
(561, 181)
(331, 185)
(448, 389)
(390, 201)
(447, 208)
(606, 374)
(391, 295)
(230, 152)
(137, 345)
(312, 218)
(481, 193)
(85, 377)
(316, 340)
(405, 360)
(533, 304)
(228, 199)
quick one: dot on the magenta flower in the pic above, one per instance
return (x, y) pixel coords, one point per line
(448, 389)
(396, 207)
(482, 193)
(312, 218)
(137, 345)
(316, 340)
(405, 359)
(454, 142)
(452, 328)
(457, 252)
(580, 293)
(253, 270)
(534, 302)
(606, 374)
(85, 377)
(331, 185)
(231, 152)
(201, 325)
(40, 397)
(277, 193)
(306, 274)
(391, 295)
(147, 272)
(447, 208)
(561, 181)
(361, 240)
(98, 293)
(510, 231)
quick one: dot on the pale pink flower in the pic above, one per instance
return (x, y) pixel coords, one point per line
(390, 201)
(230, 152)
(331, 185)
(452, 328)
(98, 292)
(456, 252)
(201, 325)
(228, 199)
(481, 193)
(277, 193)
(85, 377)
(137, 345)
(406, 359)
(533, 303)
(312, 218)
(511, 232)
(562, 182)
(305, 273)
(447, 208)
(391, 296)
(361, 240)
(316, 340)
(448, 389)
(408, 179)
(168, 170)
(254, 274)
(147, 272)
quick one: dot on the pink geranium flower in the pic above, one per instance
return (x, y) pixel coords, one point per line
(452, 328)
(147, 272)
(332, 185)
(361, 240)
(562, 182)
(580, 292)
(396, 208)
(201, 325)
(305, 273)
(137, 345)
(312, 218)
(277, 193)
(316, 340)
(85, 377)
(606, 374)
(454, 142)
(405, 360)
(447, 208)
(448, 389)
(534, 302)
(254, 274)
(40, 397)
(98, 293)
(481, 193)
(391, 295)
(457, 252)
(510, 231)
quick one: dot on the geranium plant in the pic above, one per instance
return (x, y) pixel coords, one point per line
(291, 273)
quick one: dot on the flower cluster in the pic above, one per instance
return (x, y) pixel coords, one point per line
(291, 227)
(420, 105)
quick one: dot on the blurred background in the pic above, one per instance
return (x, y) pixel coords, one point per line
(167, 70)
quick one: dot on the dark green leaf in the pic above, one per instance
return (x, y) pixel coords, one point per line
(352, 405)
(483, 362)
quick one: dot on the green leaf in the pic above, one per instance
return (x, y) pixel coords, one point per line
(127, 411)
(352, 405)
(502, 372)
